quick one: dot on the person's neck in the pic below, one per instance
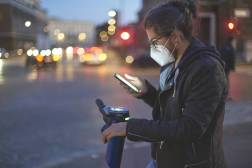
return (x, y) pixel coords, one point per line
(180, 52)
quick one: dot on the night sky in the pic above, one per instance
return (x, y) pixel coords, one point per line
(92, 10)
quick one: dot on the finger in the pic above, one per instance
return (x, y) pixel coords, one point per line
(135, 94)
(131, 90)
(129, 77)
(104, 136)
(106, 132)
(103, 139)
(110, 136)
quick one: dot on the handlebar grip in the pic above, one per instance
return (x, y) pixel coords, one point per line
(100, 104)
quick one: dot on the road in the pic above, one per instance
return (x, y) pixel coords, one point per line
(48, 118)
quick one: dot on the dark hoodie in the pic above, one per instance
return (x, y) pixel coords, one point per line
(186, 130)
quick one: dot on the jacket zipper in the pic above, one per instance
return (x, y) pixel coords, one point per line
(194, 149)
(157, 158)
(212, 147)
(162, 142)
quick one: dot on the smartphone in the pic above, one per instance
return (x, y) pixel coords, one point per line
(127, 83)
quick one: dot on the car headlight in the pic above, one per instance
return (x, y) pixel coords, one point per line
(102, 57)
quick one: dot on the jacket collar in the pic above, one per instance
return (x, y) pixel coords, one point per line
(195, 50)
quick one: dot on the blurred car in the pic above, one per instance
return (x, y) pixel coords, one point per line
(3, 54)
(44, 57)
(93, 56)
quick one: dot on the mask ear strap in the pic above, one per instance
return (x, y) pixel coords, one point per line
(174, 48)
(166, 42)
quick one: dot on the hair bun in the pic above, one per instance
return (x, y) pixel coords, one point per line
(191, 7)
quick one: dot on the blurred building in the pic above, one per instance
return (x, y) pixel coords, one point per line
(71, 32)
(218, 20)
(208, 35)
(23, 24)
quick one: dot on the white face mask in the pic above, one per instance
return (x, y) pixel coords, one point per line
(161, 54)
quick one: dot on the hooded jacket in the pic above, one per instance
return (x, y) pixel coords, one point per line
(186, 130)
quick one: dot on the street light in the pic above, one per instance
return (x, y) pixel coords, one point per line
(48, 52)
(103, 34)
(82, 36)
(27, 23)
(20, 52)
(29, 52)
(111, 21)
(111, 28)
(80, 51)
(129, 59)
(61, 36)
(112, 13)
(35, 52)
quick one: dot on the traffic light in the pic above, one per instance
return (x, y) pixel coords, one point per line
(125, 35)
(231, 25)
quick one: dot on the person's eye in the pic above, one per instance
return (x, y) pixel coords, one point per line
(154, 43)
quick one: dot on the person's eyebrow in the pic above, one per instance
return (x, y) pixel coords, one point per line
(154, 39)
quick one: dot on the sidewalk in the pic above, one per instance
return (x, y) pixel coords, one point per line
(244, 69)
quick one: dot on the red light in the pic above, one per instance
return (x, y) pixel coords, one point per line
(125, 35)
(231, 26)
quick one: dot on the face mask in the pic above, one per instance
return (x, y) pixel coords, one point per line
(162, 55)
(165, 72)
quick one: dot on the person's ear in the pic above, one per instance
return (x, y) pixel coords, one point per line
(176, 40)
(175, 37)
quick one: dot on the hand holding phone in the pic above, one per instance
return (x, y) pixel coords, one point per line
(133, 83)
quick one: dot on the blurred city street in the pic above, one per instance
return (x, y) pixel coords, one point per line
(48, 118)
(58, 57)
